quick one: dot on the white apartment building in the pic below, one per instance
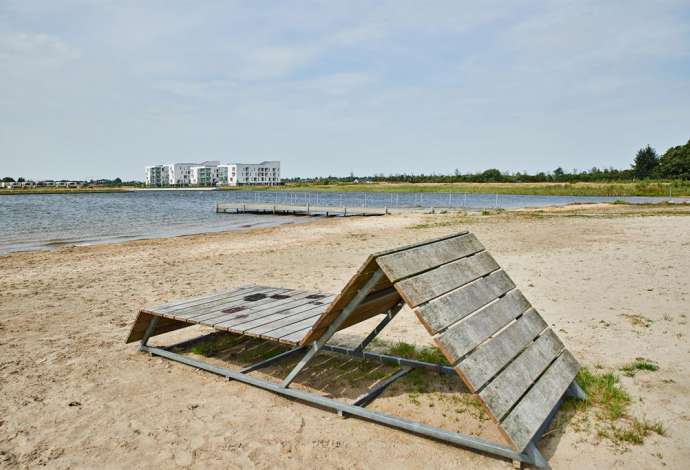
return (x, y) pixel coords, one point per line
(212, 173)
(264, 173)
(174, 173)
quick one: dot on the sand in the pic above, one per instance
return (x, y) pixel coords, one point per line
(73, 395)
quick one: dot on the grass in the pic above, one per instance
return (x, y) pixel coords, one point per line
(610, 403)
(425, 354)
(616, 189)
(639, 364)
(636, 319)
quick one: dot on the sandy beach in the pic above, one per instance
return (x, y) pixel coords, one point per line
(611, 280)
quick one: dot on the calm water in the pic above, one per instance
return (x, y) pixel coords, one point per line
(32, 222)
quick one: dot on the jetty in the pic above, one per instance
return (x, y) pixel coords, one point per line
(300, 210)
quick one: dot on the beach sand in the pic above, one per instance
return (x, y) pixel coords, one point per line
(72, 395)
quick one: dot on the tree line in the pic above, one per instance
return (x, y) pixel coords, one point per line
(674, 164)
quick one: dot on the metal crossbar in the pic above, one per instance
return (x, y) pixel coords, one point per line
(377, 390)
(375, 332)
(271, 360)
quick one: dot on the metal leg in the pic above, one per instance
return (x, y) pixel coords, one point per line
(535, 456)
(149, 331)
(340, 319)
(389, 316)
(575, 391)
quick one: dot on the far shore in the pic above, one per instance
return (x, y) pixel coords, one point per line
(652, 188)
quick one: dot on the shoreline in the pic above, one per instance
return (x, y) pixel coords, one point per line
(602, 210)
(653, 189)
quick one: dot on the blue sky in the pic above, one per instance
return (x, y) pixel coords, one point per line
(96, 88)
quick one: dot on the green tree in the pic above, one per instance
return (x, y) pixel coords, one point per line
(20, 180)
(646, 161)
(492, 174)
(7, 179)
(675, 163)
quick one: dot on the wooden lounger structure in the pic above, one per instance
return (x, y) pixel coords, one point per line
(497, 343)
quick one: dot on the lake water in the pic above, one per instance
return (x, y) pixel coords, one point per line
(33, 222)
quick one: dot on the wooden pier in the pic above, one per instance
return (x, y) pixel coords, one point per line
(303, 210)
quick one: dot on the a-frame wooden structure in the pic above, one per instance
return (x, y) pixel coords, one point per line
(497, 343)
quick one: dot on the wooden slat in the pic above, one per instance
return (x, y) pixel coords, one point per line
(181, 311)
(239, 319)
(268, 328)
(292, 327)
(295, 337)
(200, 300)
(142, 322)
(431, 284)
(524, 421)
(236, 301)
(266, 323)
(247, 306)
(493, 355)
(406, 263)
(457, 304)
(465, 335)
(278, 308)
(507, 388)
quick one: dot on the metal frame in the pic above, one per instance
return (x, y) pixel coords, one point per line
(531, 455)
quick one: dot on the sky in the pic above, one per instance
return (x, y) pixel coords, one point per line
(99, 89)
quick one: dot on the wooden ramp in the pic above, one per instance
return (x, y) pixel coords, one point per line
(494, 339)
(497, 342)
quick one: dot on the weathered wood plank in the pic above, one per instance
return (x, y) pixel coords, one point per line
(244, 316)
(268, 328)
(239, 313)
(264, 323)
(182, 310)
(406, 263)
(493, 355)
(295, 337)
(291, 328)
(198, 300)
(457, 304)
(524, 421)
(273, 300)
(507, 388)
(431, 284)
(142, 322)
(217, 306)
(465, 335)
